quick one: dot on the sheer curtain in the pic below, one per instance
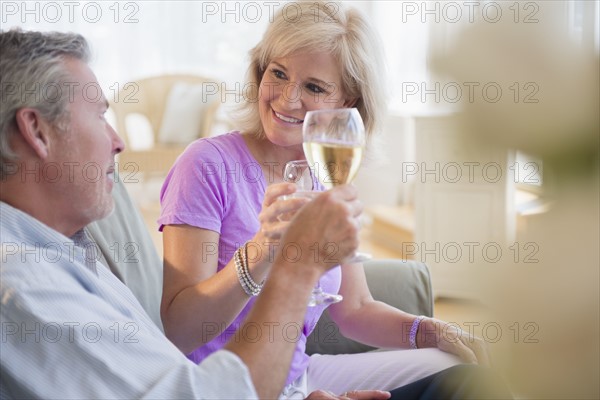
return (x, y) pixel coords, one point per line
(131, 40)
(134, 39)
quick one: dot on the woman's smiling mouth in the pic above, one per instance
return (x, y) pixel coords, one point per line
(290, 120)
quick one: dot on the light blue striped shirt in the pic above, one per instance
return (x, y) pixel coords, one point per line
(72, 330)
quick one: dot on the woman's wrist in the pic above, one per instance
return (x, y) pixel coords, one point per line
(427, 333)
(412, 335)
(260, 256)
(249, 285)
(260, 253)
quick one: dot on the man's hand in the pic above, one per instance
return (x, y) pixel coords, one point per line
(353, 394)
(326, 229)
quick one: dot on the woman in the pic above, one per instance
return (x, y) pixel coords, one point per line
(222, 192)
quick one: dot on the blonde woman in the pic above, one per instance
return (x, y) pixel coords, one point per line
(222, 192)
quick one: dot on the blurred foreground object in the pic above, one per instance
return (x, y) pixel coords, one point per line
(557, 120)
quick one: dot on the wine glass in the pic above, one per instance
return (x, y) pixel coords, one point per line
(300, 173)
(334, 141)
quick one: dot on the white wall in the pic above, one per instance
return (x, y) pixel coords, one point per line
(380, 179)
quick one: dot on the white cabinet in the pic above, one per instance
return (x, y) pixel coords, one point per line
(464, 205)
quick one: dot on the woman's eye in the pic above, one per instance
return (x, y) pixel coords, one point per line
(278, 74)
(314, 88)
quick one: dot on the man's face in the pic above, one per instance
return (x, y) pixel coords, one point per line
(85, 151)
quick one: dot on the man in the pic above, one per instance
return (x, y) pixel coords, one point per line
(70, 329)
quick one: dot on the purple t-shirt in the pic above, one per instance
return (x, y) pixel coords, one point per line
(217, 184)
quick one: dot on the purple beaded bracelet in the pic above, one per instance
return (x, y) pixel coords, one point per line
(412, 337)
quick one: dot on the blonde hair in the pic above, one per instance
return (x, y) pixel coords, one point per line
(319, 26)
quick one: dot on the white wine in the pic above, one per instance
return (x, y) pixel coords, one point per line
(334, 164)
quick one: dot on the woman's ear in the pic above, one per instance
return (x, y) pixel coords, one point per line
(349, 103)
(34, 130)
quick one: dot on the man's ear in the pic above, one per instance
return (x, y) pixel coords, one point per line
(34, 130)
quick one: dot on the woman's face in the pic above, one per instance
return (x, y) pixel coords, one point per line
(293, 85)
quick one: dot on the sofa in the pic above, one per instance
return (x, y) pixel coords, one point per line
(126, 247)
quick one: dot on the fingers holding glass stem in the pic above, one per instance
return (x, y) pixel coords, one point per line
(275, 215)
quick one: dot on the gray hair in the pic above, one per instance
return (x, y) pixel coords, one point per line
(345, 33)
(31, 73)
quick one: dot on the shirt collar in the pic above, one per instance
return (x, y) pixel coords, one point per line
(17, 225)
(91, 254)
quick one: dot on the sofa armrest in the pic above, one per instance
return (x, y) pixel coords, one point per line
(403, 284)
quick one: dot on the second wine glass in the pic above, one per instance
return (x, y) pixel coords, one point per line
(299, 173)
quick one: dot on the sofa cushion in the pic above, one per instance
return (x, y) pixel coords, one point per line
(183, 115)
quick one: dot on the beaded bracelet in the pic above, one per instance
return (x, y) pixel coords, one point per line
(247, 285)
(412, 337)
(250, 287)
(257, 286)
(241, 276)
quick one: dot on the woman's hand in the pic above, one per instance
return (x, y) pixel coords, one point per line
(451, 339)
(353, 394)
(275, 215)
(274, 219)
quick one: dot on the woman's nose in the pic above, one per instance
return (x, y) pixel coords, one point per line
(291, 96)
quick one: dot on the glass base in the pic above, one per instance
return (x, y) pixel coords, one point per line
(319, 297)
